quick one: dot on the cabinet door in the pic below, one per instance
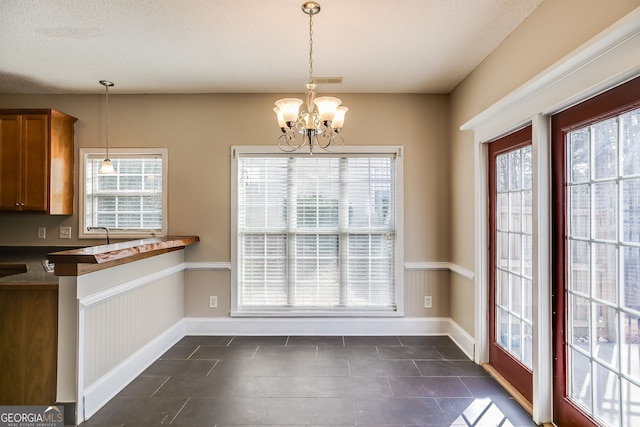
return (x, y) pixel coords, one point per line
(10, 181)
(35, 164)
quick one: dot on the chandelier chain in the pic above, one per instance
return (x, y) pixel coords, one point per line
(311, 48)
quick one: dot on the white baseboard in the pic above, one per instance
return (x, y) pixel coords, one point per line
(317, 326)
(106, 387)
(462, 339)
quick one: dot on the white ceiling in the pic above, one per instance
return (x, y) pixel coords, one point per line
(247, 46)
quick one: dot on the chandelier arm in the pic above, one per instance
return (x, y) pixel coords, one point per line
(287, 141)
(327, 137)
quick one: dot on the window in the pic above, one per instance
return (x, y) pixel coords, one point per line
(316, 234)
(130, 203)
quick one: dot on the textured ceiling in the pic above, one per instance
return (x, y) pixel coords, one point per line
(247, 46)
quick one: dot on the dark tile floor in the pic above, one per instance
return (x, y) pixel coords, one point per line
(313, 381)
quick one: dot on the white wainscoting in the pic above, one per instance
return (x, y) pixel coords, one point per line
(124, 327)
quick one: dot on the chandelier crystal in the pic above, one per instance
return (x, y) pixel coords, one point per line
(321, 123)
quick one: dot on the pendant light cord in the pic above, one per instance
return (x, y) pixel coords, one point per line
(106, 125)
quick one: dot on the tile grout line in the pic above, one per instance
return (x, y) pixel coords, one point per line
(210, 370)
(160, 386)
(180, 410)
(193, 352)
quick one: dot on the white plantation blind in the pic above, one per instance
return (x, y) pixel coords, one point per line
(130, 200)
(316, 233)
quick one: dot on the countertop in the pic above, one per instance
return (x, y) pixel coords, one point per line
(32, 256)
(85, 260)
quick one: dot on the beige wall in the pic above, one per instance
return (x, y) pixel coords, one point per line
(553, 30)
(199, 130)
(439, 177)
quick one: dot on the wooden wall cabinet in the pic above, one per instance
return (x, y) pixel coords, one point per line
(36, 161)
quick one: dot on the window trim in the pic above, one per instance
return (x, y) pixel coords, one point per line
(83, 233)
(398, 151)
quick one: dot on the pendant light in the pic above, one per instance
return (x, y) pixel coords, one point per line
(107, 167)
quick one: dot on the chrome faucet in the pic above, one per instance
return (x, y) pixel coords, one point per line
(100, 228)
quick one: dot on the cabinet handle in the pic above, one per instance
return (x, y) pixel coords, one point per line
(17, 204)
(21, 204)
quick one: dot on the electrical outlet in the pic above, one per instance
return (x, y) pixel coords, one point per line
(428, 302)
(65, 232)
(42, 232)
(213, 301)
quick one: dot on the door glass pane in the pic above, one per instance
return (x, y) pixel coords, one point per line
(580, 272)
(516, 295)
(503, 327)
(580, 323)
(515, 211)
(527, 211)
(606, 272)
(580, 372)
(605, 210)
(605, 141)
(579, 169)
(607, 395)
(631, 268)
(631, 210)
(580, 211)
(630, 407)
(630, 123)
(630, 348)
(502, 290)
(514, 253)
(603, 190)
(606, 327)
(527, 345)
(502, 212)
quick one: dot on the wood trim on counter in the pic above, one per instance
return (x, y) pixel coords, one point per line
(77, 262)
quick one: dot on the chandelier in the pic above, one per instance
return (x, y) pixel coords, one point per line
(321, 123)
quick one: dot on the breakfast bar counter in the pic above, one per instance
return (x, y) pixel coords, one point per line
(76, 262)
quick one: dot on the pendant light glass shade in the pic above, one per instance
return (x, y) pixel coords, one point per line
(107, 167)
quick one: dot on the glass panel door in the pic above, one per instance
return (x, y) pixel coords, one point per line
(596, 183)
(603, 213)
(511, 244)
